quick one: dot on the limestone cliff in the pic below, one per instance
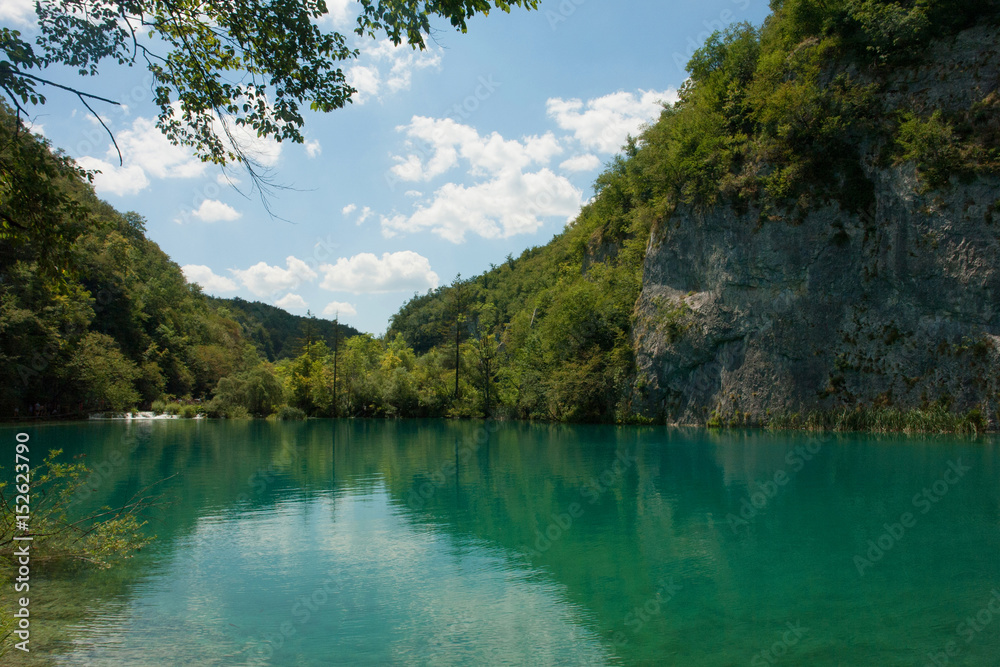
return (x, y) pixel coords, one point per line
(896, 305)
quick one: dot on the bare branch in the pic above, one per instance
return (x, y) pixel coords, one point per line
(100, 120)
(79, 93)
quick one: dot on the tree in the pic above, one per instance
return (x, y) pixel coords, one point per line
(486, 350)
(256, 389)
(402, 393)
(336, 354)
(40, 210)
(306, 381)
(308, 330)
(104, 372)
(359, 363)
(216, 66)
(458, 306)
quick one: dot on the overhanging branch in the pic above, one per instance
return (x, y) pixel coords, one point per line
(83, 96)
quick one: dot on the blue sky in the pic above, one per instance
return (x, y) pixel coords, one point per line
(448, 160)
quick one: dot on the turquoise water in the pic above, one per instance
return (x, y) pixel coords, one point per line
(437, 543)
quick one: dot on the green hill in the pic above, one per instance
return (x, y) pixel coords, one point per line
(93, 315)
(277, 333)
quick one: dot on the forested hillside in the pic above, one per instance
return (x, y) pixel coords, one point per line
(93, 315)
(775, 124)
(277, 333)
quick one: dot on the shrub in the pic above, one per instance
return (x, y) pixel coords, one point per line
(189, 411)
(238, 412)
(214, 409)
(287, 412)
(173, 408)
(60, 536)
(892, 31)
(158, 407)
(936, 418)
(931, 143)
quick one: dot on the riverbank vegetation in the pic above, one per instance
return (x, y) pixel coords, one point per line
(933, 419)
(62, 538)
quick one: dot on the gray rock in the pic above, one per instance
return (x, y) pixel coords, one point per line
(896, 306)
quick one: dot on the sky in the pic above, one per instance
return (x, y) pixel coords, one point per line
(448, 160)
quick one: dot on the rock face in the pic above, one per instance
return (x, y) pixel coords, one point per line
(896, 306)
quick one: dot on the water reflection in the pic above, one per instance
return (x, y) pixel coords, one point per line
(462, 543)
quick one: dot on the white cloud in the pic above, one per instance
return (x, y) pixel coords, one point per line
(367, 274)
(507, 200)
(339, 12)
(402, 60)
(21, 12)
(587, 162)
(146, 151)
(127, 180)
(411, 167)
(493, 154)
(264, 280)
(448, 141)
(98, 120)
(144, 145)
(366, 213)
(365, 80)
(341, 308)
(209, 281)
(213, 210)
(313, 149)
(227, 179)
(604, 123)
(511, 203)
(384, 66)
(291, 301)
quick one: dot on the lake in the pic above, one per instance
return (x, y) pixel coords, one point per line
(460, 543)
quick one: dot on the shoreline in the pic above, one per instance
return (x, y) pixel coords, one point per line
(934, 421)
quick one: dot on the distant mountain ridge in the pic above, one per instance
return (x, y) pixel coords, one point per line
(277, 333)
